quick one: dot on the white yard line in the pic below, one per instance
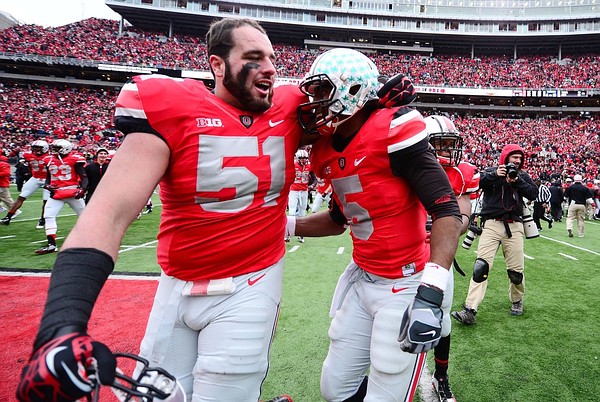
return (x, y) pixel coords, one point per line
(568, 256)
(341, 250)
(572, 245)
(129, 248)
(293, 249)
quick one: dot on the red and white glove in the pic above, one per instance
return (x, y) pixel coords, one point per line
(65, 369)
(397, 91)
(421, 327)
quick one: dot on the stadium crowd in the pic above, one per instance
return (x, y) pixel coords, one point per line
(99, 40)
(559, 147)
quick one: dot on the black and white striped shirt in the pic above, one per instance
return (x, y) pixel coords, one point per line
(543, 194)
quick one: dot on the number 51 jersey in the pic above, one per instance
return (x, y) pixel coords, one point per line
(225, 190)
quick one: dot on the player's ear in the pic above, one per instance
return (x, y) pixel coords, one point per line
(217, 65)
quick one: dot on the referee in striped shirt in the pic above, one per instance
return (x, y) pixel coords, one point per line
(541, 205)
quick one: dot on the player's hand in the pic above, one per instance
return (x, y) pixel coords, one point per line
(397, 91)
(50, 188)
(65, 369)
(421, 326)
(80, 193)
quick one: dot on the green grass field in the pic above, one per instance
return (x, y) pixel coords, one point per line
(551, 353)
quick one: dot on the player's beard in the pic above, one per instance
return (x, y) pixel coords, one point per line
(237, 86)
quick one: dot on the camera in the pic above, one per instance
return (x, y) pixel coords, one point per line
(512, 171)
(473, 232)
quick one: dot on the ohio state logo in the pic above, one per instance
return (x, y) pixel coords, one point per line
(342, 163)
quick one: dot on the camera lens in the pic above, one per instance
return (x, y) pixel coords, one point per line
(468, 241)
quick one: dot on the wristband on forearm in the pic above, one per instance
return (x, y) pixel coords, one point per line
(77, 278)
(435, 275)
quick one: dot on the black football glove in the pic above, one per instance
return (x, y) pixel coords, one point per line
(421, 326)
(65, 369)
(397, 91)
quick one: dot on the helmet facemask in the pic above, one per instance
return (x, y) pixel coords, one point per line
(448, 147)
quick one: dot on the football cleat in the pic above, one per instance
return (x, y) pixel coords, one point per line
(5, 221)
(287, 239)
(50, 248)
(301, 239)
(41, 223)
(280, 398)
(442, 389)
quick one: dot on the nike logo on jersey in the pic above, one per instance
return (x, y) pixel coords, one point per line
(252, 281)
(275, 123)
(396, 290)
(432, 333)
(358, 161)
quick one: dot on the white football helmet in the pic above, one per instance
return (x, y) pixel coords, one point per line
(445, 139)
(340, 82)
(61, 147)
(301, 154)
(39, 147)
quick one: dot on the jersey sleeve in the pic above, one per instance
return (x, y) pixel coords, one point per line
(407, 131)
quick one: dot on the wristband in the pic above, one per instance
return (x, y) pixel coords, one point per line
(435, 275)
(77, 278)
(290, 226)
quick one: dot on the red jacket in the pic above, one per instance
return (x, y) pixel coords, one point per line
(4, 172)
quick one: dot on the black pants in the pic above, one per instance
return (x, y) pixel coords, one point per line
(538, 213)
(556, 211)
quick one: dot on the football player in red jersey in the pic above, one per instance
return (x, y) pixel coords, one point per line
(224, 160)
(464, 179)
(225, 163)
(35, 157)
(323, 189)
(387, 305)
(298, 198)
(66, 181)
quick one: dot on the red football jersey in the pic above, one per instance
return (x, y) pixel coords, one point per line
(62, 170)
(225, 190)
(463, 178)
(301, 176)
(323, 186)
(36, 164)
(387, 218)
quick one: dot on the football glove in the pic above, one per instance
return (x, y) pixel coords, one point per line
(80, 193)
(65, 369)
(421, 326)
(397, 91)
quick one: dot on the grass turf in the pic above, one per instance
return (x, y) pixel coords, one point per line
(550, 353)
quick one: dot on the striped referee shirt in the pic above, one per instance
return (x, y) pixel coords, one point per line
(543, 194)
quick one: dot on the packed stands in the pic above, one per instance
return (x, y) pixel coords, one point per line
(99, 40)
(559, 145)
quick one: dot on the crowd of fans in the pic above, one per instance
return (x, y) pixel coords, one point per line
(560, 147)
(99, 40)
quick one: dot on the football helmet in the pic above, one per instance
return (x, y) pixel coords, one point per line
(340, 83)
(301, 154)
(61, 147)
(152, 384)
(39, 147)
(445, 139)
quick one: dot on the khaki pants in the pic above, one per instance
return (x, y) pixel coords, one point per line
(5, 198)
(576, 212)
(494, 236)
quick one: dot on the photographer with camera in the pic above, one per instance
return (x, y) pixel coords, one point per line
(504, 188)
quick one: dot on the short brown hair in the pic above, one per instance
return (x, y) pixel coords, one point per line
(219, 38)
